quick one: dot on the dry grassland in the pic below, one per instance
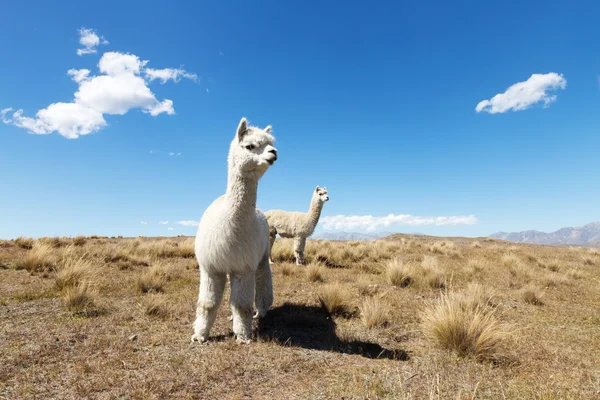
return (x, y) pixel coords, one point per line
(407, 317)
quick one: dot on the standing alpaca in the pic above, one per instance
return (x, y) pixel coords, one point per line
(298, 225)
(233, 239)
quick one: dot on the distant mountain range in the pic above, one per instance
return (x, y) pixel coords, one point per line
(352, 235)
(586, 235)
(356, 235)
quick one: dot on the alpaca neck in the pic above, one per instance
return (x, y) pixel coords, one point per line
(314, 212)
(241, 194)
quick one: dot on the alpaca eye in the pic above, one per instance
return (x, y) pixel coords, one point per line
(250, 147)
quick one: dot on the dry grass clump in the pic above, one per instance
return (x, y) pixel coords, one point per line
(152, 280)
(575, 273)
(532, 295)
(79, 240)
(399, 273)
(374, 313)
(283, 251)
(53, 242)
(477, 264)
(156, 306)
(314, 272)
(476, 245)
(337, 300)
(588, 261)
(71, 272)
(24, 243)
(554, 265)
(466, 329)
(432, 272)
(446, 247)
(366, 288)
(81, 299)
(594, 252)
(41, 258)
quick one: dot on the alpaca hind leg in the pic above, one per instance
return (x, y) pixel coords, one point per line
(209, 298)
(272, 236)
(241, 299)
(299, 244)
(263, 297)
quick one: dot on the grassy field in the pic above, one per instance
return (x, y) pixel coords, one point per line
(406, 317)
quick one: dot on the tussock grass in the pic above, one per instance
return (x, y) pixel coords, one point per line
(41, 258)
(477, 264)
(337, 300)
(588, 260)
(153, 280)
(156, 305)
(476, 245)
(24, 243)
(314, 272)
(79, 240)
(399, 273)
(532, 295)
(71, 272)
(54, 242)
(81, 299)
(466, 329)
(374, 313)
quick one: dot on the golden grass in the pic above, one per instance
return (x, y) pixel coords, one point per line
(532, 295)
(301, 351)
(24, 243)
(374, 313)
(42, 257)
(79, 240)
(466, 329)
(337, 300)
(314, 272)
(81, 299)
(400, 273)
(72, 271)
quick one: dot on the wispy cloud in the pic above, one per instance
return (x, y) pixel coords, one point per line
(89, 39)
(164, 222)
(371, 223)
(523, 95)
(143, 223)
(189, 223)
(171, 228)
(166, 74)
(118, 88)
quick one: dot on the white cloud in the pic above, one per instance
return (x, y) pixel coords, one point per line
(171, 154)
(189, 223)
(163, 222)
(523, 95)
(144, 223)
(167, 74)
(118, 89)
(371, 223)
(171, 228)
(89, 39)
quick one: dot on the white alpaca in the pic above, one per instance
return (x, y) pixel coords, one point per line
(233, 239)
(297, 225)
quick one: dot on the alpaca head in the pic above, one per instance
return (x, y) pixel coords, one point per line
(321, 194)
(252, 151)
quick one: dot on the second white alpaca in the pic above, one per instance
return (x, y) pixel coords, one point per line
(233, 239)
(297, 225)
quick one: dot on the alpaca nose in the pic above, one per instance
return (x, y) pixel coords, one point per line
(273, 150)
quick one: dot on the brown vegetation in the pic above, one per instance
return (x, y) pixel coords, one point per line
(406, 317)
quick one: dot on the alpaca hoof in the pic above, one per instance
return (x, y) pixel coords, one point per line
(199, 338)
(241, 340)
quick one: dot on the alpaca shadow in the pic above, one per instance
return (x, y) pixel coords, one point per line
(312, 327)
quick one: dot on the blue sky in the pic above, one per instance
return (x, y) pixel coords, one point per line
(375, 100)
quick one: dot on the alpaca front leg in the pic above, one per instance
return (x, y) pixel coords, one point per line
(264, 288)
(241, 299)
(209, 298)
(299, 244)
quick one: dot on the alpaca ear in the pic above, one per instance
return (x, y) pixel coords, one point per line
(242, 129)
(268, 129)
(317, 188)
